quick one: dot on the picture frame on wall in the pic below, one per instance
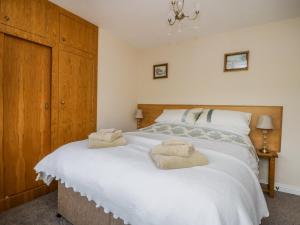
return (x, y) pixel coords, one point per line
(160, 71)
(236, 61)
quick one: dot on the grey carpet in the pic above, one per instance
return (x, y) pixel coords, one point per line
(284, 210)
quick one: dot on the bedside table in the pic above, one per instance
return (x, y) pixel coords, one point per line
(271, 156)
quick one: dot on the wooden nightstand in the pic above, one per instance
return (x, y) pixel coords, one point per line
(271, 156)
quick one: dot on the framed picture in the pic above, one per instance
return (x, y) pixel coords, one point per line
(160, 71)
(236, 61)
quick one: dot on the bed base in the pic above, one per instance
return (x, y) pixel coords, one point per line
(79, 211)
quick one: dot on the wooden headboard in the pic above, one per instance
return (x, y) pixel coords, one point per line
(152, 111)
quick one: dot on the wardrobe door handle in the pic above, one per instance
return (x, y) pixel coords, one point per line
(63, 39)
(62, 102)
(6, 18)
(46, 105)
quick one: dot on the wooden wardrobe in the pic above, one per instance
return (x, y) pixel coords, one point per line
(48, 90)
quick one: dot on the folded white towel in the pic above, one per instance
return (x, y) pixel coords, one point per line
(109, 130)
(106, 136)
(174, 142)
(173, 150)
(96, 143)
(177, 162)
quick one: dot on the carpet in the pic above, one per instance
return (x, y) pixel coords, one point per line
(284, 210)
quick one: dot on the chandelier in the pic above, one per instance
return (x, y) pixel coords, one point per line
(177, 13)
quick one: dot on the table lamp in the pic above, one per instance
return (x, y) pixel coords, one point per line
(265, 124)
(139, 116)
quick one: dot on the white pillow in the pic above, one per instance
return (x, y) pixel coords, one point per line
(179, 116)
(232, 120)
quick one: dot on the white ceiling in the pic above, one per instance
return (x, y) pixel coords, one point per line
(143, 23)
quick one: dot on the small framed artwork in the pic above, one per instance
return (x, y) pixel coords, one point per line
(160, 71)
(236, 61)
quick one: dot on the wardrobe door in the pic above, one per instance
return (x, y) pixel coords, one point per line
(38, 12)
(14, 12)
(27, 15)
(1, 119)
(77, 94)
(77, 33)
(26, 112)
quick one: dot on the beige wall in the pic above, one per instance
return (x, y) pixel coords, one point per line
(117, 95)
(196, 77)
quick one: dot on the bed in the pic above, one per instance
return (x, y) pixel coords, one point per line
(121, 185)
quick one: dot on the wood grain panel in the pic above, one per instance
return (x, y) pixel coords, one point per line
(52, 22)
(27, 36)
(14, 12)
(27, 15)
(1, 117)
(77, 33)
(55, 99)
(152, 111)
(26, 117)
(38, 17)
(76, 94)
(38, 21)
(28, 195)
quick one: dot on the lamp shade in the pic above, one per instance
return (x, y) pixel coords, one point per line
(139, 114)
(264, 122)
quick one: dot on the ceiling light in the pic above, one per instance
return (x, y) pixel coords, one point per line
(177, 13)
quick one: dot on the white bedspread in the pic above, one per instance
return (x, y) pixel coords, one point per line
(123, 180)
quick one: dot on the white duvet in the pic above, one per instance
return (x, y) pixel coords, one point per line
(123, 180)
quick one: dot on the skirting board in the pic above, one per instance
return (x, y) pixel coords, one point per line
(291, 189)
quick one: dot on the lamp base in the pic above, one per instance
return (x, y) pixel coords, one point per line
(264, 150)
(138, 124)
(265, 142)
